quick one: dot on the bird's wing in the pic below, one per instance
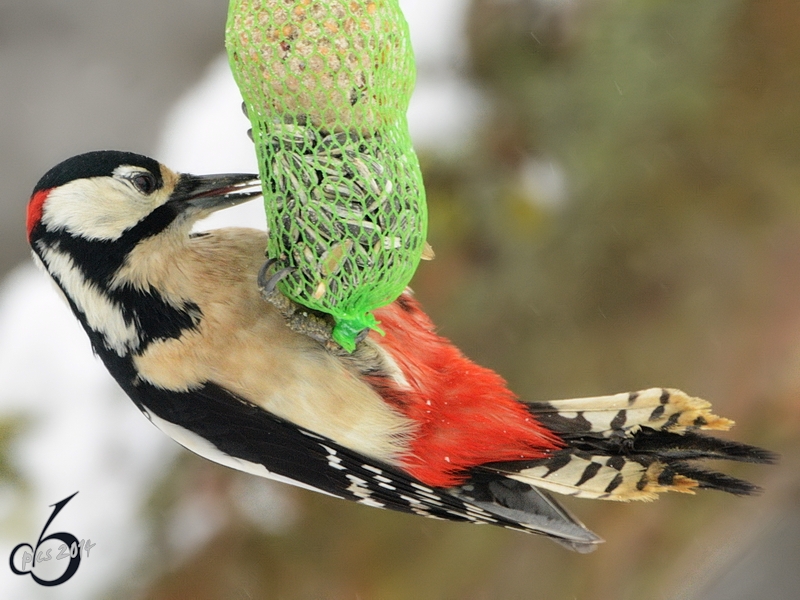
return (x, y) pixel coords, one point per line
(222, 427)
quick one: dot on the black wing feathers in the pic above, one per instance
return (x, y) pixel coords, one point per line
(242, 430)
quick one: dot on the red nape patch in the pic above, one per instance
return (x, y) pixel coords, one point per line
(466, 414)
(35, 210)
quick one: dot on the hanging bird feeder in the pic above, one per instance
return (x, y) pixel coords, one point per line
(326, 85)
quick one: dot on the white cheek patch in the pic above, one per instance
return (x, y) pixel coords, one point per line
(99, 208)
(101, 314)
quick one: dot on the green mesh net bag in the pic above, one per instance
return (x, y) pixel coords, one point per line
(326, 85)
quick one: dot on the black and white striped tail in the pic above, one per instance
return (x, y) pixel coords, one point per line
(632, 446)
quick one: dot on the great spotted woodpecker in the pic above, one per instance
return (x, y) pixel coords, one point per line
(196, 334)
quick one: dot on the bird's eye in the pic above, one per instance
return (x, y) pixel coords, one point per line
(144, 182)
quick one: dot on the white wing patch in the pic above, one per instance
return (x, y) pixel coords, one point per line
(102, 315)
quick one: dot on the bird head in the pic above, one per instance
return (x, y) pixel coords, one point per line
(105, 196)
(89, 215)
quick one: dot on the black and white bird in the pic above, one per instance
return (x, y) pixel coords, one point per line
(198, 337)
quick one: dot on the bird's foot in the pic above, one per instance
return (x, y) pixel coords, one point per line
(314, 324)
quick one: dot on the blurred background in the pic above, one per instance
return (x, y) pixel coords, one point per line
(614, 196)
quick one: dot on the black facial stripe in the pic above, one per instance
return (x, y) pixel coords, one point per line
(99, 260)
(101, 163)
(153, 224)
(155, 319)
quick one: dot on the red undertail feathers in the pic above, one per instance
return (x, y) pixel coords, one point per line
(467, 416)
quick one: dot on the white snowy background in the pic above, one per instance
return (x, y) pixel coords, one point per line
(80, 432)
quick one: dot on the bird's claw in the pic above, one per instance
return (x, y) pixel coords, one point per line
(267, 284)
(314, 324)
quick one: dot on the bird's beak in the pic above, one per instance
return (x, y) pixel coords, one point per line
(215, 192)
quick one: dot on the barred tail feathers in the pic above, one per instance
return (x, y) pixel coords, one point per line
(633, 447)
(661, 409)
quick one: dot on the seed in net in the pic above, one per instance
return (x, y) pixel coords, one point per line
(398, 204)
(295, 136)
(326, 230)
(358, 229)
(317, 197)
(303, 275)
(290, 164)
(340, 190)
(360, 189)
(362, 168)
(301, 193)
(352, 277)
(286, 177)
(392, 243)
(385, 194)
(364, 255)
(308, 214)
(292, 136)
(331, 260)
(374, 205)
(290, 237)
(309, 256)
(308, 176)
(297, 258)
(400, 222)
(374, 165)
(348, 265)
(329, 168)
(290, 231)
(319, 291)
(341, 139)
(311, 235)
(329, 224)
(333, 288)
